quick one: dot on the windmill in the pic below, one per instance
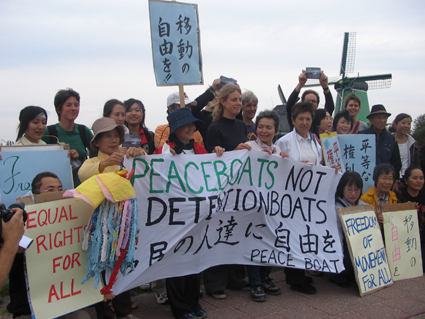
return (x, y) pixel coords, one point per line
(359, 84)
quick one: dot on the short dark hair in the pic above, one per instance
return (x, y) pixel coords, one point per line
(349, 178)
(319, 115)
(127, 105)
(350, 97)
(61, 97)
(310, 92)
(382, 169)
(37, 181)
(270, 115)
(301, 107)
(26, 115)
(343, 114)
(109, 106)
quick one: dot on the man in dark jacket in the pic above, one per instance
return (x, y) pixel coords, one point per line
(386, 147)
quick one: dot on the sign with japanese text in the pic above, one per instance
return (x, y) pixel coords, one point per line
(18, 169)
(176, 45)
(359, 155)
(331, 151)
(55, 261)
(367, 250)
(402, 240)
(245, 207)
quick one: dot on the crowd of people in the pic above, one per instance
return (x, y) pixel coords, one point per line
(222, 119)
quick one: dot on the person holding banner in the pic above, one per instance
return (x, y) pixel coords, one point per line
(301, 146)
(226, 130)
(67, 106)
(266, 128)
(343, 122)
(108, 136)
(412, 191)
(348, 193)
(409, 149)
(381, 194)
(173, 103)
(229, 133)
(184, 292)
(32, 124)
(352, 104)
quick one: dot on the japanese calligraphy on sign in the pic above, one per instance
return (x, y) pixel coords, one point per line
(331, 151)
(245, 207)
(175, 43)
(402, 240)
(358, 154)
(366, 247)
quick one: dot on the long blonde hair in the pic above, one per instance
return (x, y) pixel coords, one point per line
(223, 94)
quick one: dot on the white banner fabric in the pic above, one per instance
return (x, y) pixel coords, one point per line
(246, 207)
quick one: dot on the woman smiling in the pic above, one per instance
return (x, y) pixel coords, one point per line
(32, 124)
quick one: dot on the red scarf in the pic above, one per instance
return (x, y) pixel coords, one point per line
(199, 149)
(143, 139)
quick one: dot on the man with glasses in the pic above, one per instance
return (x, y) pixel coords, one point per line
(46, 182)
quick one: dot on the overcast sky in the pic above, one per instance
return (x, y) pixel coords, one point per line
(102, 49)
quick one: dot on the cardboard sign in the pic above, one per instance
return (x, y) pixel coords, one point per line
(245, 207)
(402, 240)
(21, 164)
(176, 46)
(366, 248)
(55, 261)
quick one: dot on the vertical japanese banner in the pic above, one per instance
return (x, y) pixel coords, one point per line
(56, 263)
(402, 240)
(366, 247)
(359, 155)
(176, 45)
(332, 151)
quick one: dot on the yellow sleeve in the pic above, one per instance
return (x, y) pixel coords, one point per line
(89, 168)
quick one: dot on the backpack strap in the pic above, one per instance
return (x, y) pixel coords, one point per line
(82, 131)
(53, 132)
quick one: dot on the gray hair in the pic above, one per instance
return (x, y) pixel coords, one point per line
(269, 114)
(382, 169)
(249, 96)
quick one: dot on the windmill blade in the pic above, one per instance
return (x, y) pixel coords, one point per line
(348, 53)
(365, 83)
(281, 95)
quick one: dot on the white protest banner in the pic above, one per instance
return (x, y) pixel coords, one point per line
(331, 151)
(55, 261)
(366, 248)
(197, 211)
(359, 155)
(176, 46)
(402, 240)
(18, 169)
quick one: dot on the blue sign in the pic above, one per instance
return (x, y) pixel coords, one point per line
(18, 169)
(175, 43)
(358, 154)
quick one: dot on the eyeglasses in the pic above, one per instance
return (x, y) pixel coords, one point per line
(53, 189)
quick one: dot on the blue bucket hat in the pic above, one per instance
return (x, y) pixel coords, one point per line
(180, 117)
